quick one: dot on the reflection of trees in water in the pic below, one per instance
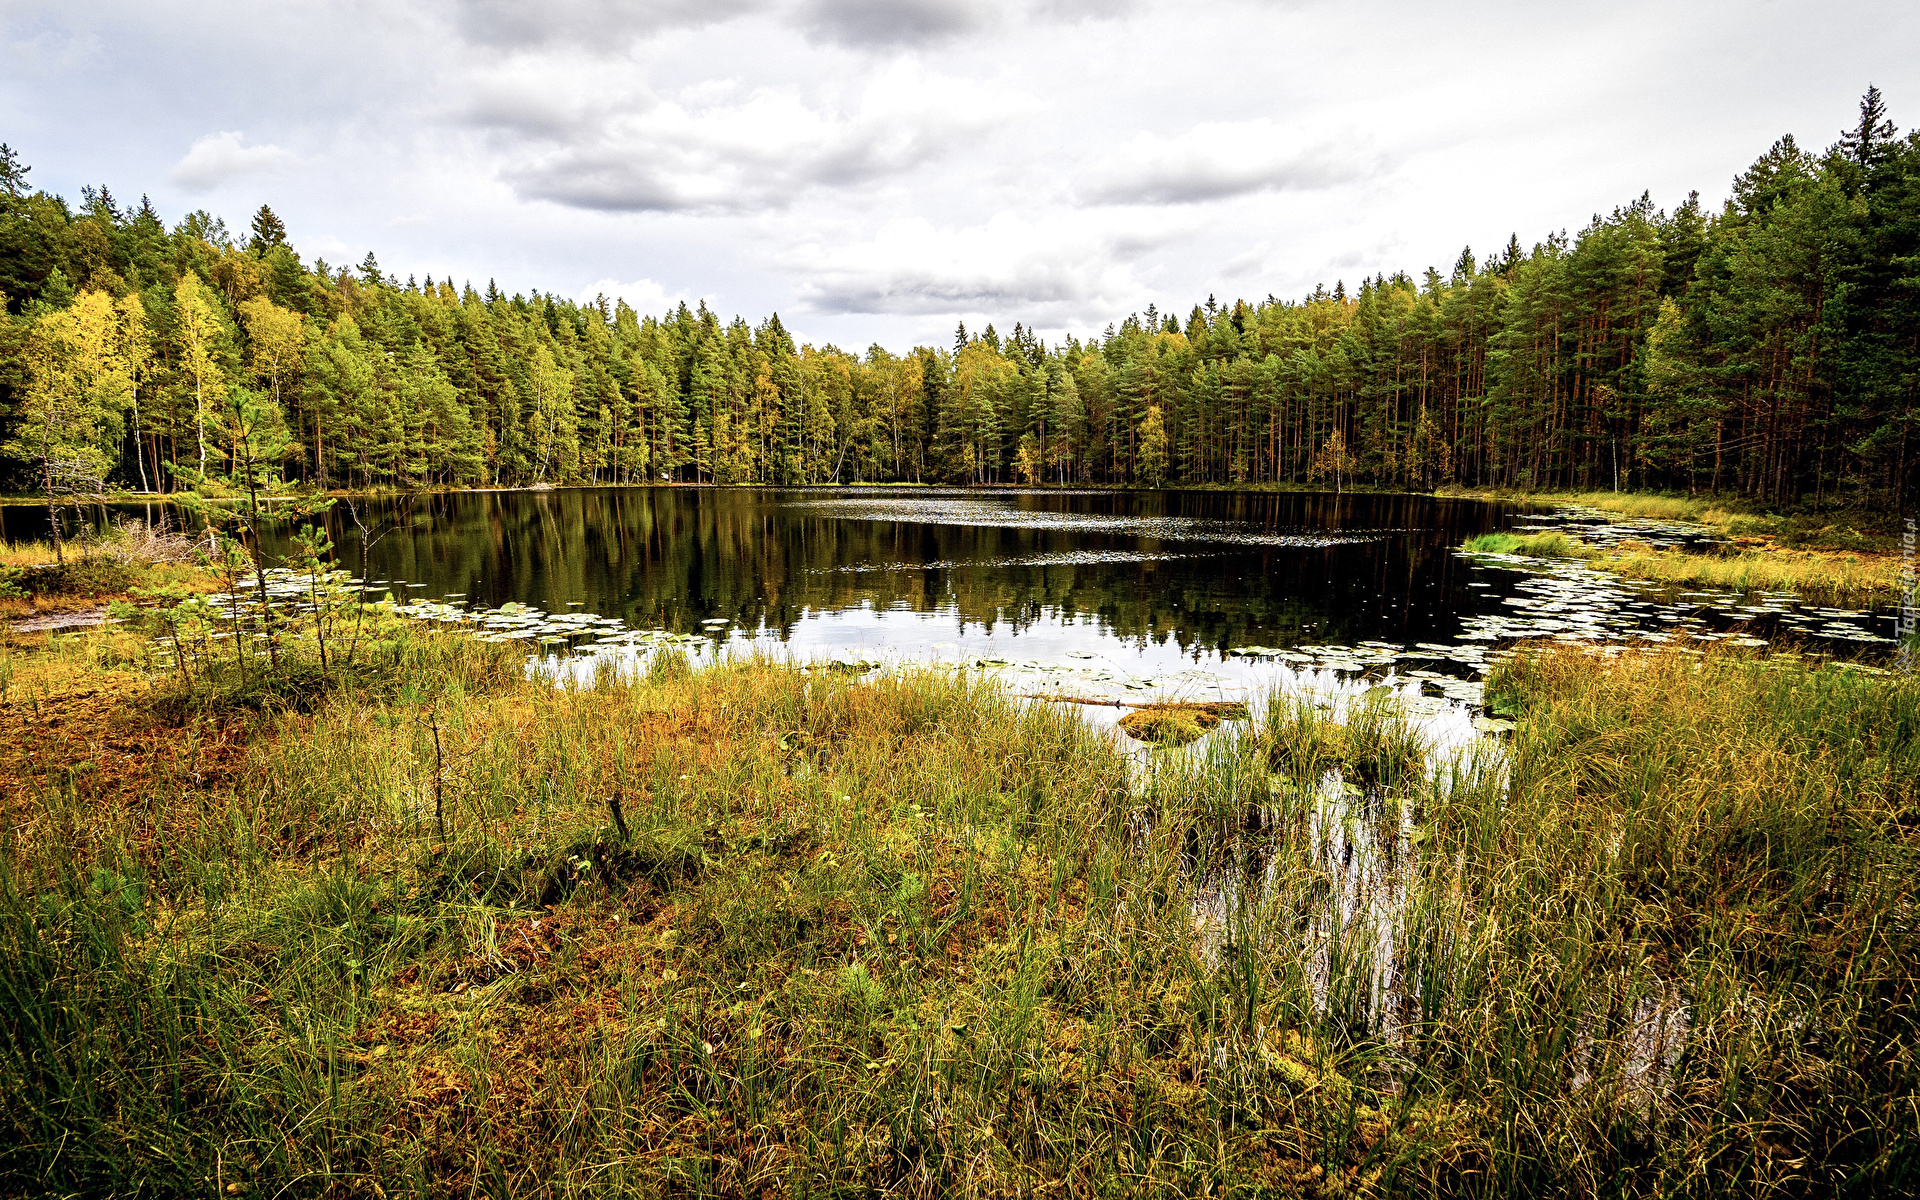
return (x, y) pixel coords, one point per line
(668, 558)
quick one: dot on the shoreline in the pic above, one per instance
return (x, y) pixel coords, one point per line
(1705, 508)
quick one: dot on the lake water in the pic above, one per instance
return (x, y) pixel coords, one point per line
(894, 569)
(1171, 593)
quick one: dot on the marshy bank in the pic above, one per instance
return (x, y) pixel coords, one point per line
(123, 560)
(1737, 566)
(1847, 555)
(442, 927)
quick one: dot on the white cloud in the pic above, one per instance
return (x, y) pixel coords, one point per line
(219, 158)
(644, 296)
(1220, 159)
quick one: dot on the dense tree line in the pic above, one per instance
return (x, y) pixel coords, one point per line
(1770, 349)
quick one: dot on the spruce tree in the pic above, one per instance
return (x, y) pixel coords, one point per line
(13, 173)
(268, 232)
(1870, 140)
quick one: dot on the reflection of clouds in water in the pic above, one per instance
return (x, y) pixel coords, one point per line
(988, 514)
(1073, 558)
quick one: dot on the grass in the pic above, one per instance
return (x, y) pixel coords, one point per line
(1374, 742)
(1533, 545)
(756, 929)
(1844, 577)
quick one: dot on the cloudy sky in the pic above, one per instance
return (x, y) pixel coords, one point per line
(875, 170)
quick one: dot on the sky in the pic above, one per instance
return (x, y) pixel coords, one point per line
(878, 170)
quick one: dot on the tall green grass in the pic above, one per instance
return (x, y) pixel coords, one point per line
(754, 928)
(1534, 545)
(1841, 577)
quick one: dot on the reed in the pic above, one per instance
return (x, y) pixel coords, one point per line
(25, 553)
(752, 927)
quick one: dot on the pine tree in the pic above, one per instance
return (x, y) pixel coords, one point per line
(338, 394)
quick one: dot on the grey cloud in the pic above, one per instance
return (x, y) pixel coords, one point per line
(753, 152)
(1183, 179)
(516, 24)
(891, 22)
(911, 293)
(676, 174)
(604, 182)
(1064, 267)
(1083, 10)
(510, 108)
(1060, 284)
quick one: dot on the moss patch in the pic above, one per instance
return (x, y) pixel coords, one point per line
(1179, 724)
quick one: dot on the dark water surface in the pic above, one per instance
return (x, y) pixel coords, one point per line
(1201, 571)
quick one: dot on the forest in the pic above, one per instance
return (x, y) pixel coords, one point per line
(1769, 350)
